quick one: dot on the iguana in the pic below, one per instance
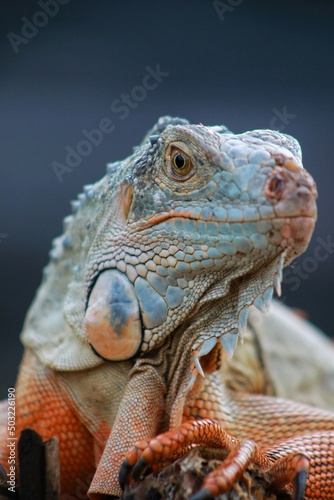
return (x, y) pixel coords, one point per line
(128, 343)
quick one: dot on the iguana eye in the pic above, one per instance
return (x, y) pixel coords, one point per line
(181, 164)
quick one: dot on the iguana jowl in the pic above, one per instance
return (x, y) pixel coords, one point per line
(144, 299)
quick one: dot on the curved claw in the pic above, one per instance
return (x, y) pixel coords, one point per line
(139, 468)
(124, 473)
(128, 471)
(300, 484)
(203, 494)
(130, 461)
(291, 468)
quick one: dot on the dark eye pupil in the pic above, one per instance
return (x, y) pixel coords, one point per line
(179, 161)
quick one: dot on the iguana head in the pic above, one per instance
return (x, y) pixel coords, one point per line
(197, 223)
(187, 233)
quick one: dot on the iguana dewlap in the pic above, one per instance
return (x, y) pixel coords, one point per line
(133, 328)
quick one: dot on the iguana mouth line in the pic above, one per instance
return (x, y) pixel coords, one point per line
(158, 219)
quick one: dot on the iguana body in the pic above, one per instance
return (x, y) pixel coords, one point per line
(148, 289)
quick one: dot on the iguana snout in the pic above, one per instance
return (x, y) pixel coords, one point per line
(293, 185)
(294, 194)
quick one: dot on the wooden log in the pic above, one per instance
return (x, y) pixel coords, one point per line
(31, 466)
(184, 477)
(39, 469)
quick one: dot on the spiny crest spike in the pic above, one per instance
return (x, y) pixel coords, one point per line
(267, 296)
(229, 342)
(154, 139)
(277, 285)
(66, 222)
(198, 366)
(75, 204)
(259, 304)
(111, 167)
(89, 191)
(207, 346)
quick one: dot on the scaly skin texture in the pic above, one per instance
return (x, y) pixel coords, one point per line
(132, 331)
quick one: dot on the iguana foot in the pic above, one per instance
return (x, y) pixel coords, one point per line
(290, 469)
(170, 445)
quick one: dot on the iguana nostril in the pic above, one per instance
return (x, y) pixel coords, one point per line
(275, 186)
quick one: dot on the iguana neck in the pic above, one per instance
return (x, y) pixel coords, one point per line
(211, 332)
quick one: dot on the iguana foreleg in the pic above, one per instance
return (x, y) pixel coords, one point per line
(146, 412)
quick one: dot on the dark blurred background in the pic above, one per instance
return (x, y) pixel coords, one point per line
(247, 64)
